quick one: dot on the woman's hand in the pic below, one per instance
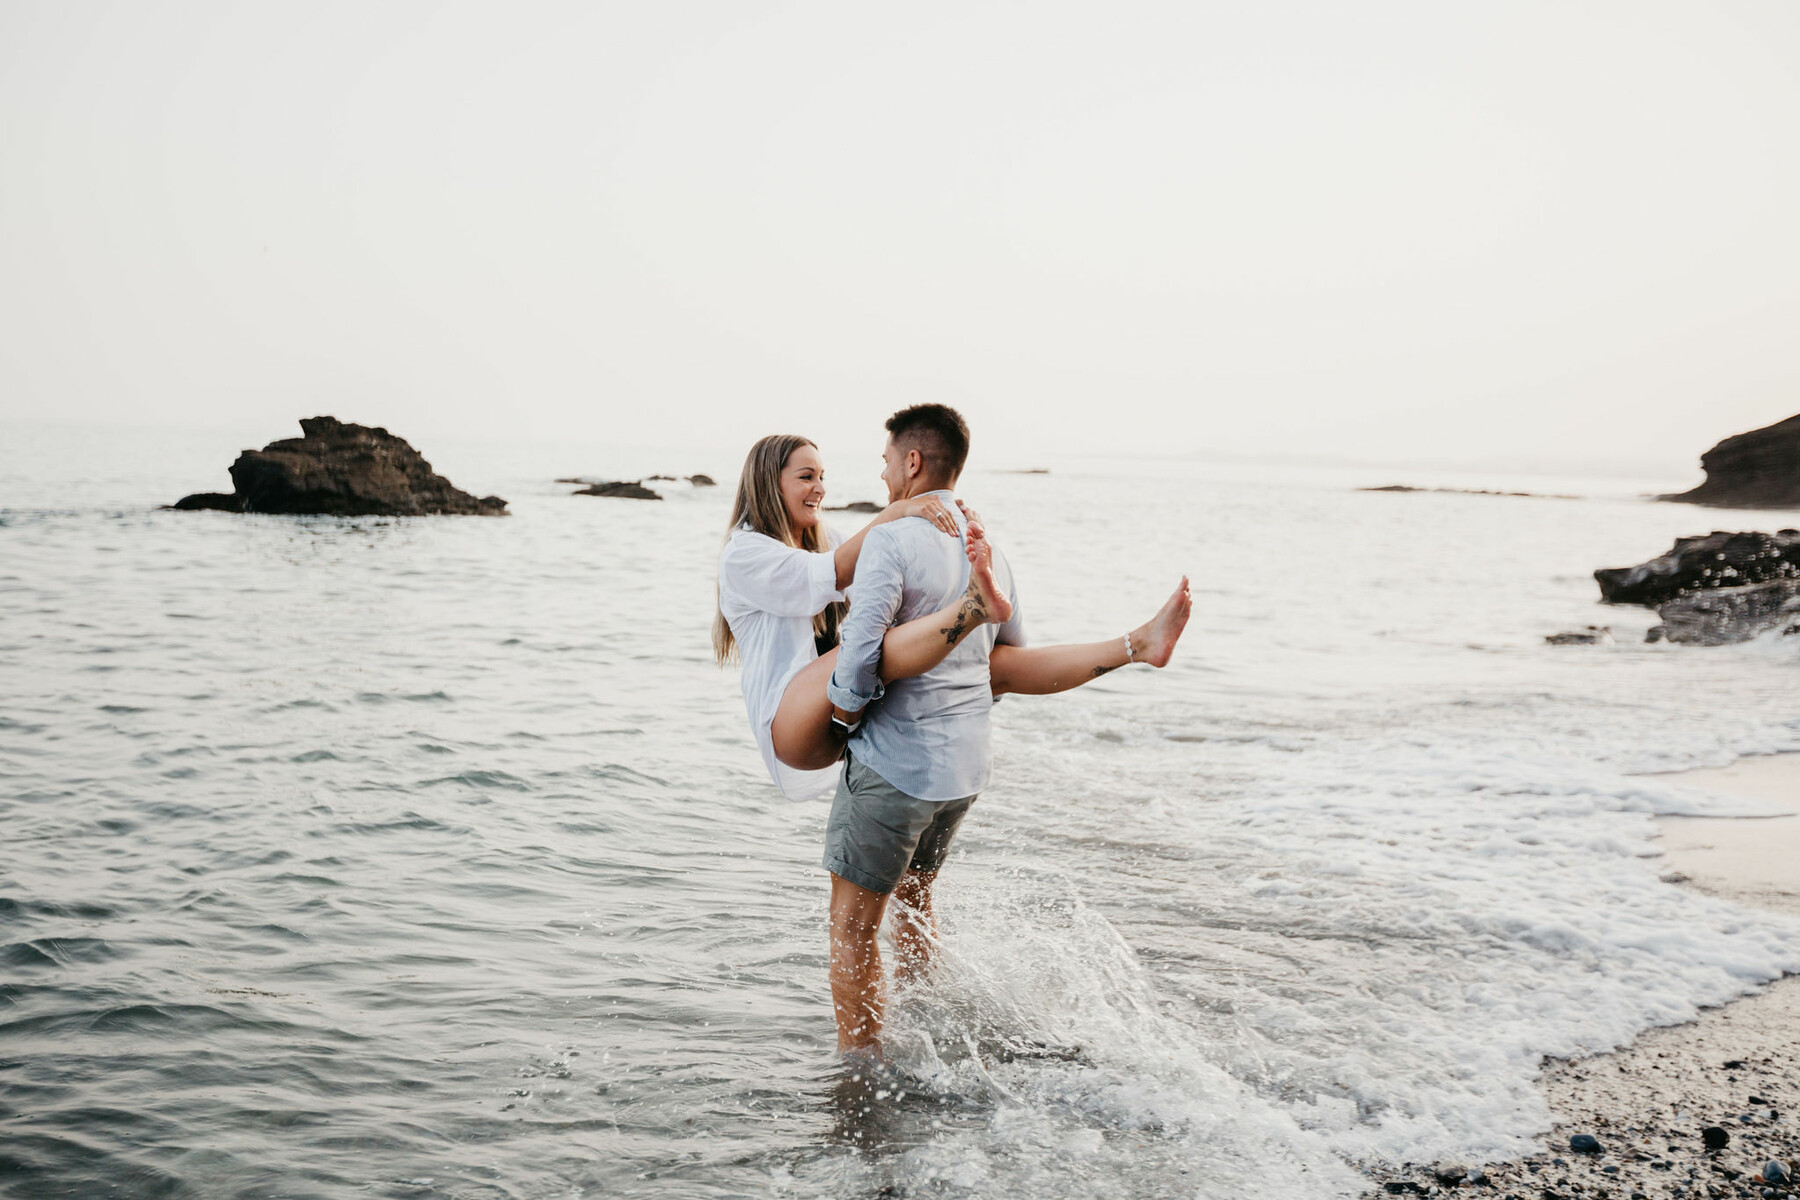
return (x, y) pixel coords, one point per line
(929, 507)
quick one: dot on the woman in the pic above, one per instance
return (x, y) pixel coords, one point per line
(782, 576)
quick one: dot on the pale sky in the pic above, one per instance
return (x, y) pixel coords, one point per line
(1430, 230)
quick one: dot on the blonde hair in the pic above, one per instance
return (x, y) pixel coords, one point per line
(759, 506)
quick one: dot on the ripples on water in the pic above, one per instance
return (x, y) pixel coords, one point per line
(433, 858)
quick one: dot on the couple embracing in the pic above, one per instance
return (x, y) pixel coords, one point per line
(885, 651)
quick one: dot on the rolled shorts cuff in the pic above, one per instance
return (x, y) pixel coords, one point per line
(861, 879)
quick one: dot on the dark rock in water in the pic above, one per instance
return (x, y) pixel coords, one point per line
(860, 506)
(1450, 1174)
(703, 480)
(664, 478)
(1723, 616)
(1453, 491)
(1593, 635)
(1715, 1138)
(1585, 1143)
(1655, 634)
(1694, 563)
(343, 470)
(222, 501)
(1759, 469)
(621, 491)
(1775, 1171)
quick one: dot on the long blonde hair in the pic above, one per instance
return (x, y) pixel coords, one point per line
(759, 505)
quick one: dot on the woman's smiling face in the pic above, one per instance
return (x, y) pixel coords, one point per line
(803, 488)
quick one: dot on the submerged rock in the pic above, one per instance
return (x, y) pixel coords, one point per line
(341, 469)
(631, 490)
(1593, 635)
(859, 506)
(221, 501)
(1759, 469)
(703, 480)
(1723, 616)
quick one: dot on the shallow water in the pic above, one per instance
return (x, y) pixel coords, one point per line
(432, 857)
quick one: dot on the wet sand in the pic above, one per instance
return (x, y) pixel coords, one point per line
(1733, 1068)
(1753, 860)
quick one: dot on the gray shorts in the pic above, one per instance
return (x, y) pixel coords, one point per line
(877, 833)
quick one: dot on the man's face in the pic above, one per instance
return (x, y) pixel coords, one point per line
(894, 472)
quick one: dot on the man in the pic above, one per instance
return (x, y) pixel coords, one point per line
(916, 761)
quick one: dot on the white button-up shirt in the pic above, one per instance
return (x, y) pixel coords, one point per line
(769, 593)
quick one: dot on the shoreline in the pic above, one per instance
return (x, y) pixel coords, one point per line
(1730, 1068)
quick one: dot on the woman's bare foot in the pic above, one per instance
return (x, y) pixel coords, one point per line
(1154, 641)
(984, 589)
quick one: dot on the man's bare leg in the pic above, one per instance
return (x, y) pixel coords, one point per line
(915, 926)
(856, 988)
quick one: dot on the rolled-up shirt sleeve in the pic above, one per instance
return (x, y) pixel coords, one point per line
(778, 579)
(880, 578)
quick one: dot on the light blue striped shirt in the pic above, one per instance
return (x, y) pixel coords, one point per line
(928, 736)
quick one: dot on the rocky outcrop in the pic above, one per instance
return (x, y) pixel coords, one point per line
(1714, 590)
(341, 469)
(1700, 563)
(1759, 469)
(621, 491)
(855, 506)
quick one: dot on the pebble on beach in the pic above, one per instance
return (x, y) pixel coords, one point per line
(1585, 1143)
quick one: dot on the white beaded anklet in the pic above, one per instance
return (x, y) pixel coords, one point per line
(1128, 657)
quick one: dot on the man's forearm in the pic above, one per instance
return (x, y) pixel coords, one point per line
(855, 681)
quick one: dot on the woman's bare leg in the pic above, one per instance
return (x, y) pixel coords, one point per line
(1043, 670)
(802, 731)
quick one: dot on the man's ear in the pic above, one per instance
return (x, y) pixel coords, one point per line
(915, 464)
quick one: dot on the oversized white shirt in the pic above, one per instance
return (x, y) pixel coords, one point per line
(770, 592)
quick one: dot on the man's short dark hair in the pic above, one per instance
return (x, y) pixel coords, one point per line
(937, 432)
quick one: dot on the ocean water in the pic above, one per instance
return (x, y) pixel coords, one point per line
(432, 857)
